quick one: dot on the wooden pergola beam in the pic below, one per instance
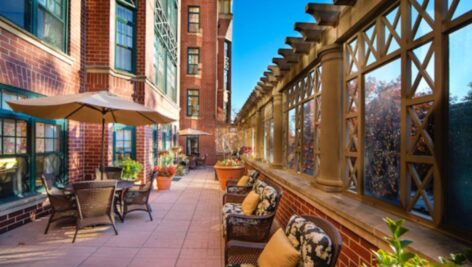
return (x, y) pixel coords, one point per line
(299, 45)
(325, 14)
(275, 70)
(345, 2)
(310, 31)
(281, 63)
(289, 55)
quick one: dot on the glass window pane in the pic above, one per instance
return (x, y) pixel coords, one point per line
(292, 160)
(382, 132)
(39, 145)
(8, 127)
(459, 171)
(21, 145)
(49, 145)
(39, 129)
(309, 137)
(21, 128)
(14, 10)
(9, 145)
(127, 135)
(50, 29)
(50, 130)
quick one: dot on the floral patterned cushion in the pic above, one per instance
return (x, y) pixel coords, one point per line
(268, 200)
(259, 186)
(316, 246)
(292, 231)
(253, 174)
(230, 208)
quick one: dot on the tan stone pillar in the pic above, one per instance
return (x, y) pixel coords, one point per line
(278, 127)
(330, 178)
(259, 134)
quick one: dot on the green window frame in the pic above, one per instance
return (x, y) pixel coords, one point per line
(193, 61)
(19, 153)
(192, 145)
(155, 143)
(193, 103)
(46, 19)
(125, 36)
(193, 19)
(124, 142)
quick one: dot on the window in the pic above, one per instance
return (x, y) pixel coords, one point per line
(28, 148)
(171, 79)
(192, 145)
(44, 18)
(49, 150)
(459, 133)
(124, 43)
(193, 19)
(166, 137)
(124, 138)
(155, 144)
(193, 102)
(160, 65)
(304, 118)
(193, 61)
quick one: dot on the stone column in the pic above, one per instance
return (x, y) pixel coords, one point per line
(330, 177)
(278, 126)
(259, 134)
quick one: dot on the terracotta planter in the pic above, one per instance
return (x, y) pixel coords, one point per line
(163, 183)
(225, 173)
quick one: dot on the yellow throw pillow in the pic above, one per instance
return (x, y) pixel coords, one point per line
(243, 180)
(279, 252)
(250, 202)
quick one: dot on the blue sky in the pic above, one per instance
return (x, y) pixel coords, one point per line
(259, 30)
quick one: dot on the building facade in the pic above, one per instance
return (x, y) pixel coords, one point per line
(371, 108)
(205, 84)
(127, 47)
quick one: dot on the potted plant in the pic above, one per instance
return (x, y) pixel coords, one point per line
(228, 169)
(131, 169)
(165, 171)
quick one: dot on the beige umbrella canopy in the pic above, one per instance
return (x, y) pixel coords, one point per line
(91, 107)
(190, 131)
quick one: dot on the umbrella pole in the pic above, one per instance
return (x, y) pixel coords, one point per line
(102, 153)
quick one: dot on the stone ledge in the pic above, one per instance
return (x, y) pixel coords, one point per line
(21, 204)
(362, 219)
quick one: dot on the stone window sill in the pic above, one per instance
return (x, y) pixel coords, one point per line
(21, 204)
(362, 219)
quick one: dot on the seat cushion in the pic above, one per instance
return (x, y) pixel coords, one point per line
(259, 186)
(316, 246)
(230, 208)
(268, 201)
(279, 252)
(293, 230)
(250, 202)
(243, 181)
(241, 265)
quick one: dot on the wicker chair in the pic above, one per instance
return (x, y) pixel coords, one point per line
(298, 231)
(232, 187)
(253, 228)
(62, 204)
(94, 204)
(109, 173)
(137, 198)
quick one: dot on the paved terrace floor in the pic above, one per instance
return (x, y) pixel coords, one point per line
(186, 231)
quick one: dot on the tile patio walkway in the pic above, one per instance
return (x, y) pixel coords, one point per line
(186, 231)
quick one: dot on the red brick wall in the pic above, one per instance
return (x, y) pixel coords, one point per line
(21, 217)
(355, 250)
(211, 59)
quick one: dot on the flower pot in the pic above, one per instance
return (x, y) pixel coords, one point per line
(225, 173)
(163, 183)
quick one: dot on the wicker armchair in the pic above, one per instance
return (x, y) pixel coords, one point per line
(321, 249)
(109, 173)
(137, 198)
(232, 187)
(253, 228)
(94, 204)
(62, 204)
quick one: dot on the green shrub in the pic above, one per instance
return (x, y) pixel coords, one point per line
(131, 168)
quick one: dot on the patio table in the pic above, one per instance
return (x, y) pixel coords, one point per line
(121, 187)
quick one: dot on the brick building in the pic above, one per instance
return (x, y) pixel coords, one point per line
(128, 47)
(206, 72)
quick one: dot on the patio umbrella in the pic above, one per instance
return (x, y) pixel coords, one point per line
(91, 107)
(190, 131)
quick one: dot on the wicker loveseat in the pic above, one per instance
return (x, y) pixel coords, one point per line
(232, 187)
(256, 227)
(317, 240)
